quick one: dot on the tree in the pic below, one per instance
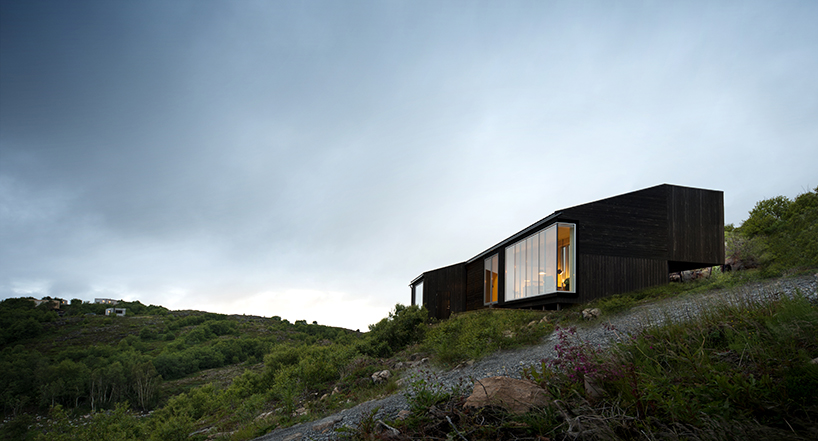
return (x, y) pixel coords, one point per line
(766, 217)
(145, 383)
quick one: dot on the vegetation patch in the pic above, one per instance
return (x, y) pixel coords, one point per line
(717, 280)
(741, 371)
(474, 334)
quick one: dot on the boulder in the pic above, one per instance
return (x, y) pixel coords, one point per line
(381, 376)
(591, 313)
(516, 396)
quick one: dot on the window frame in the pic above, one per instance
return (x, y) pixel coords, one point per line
(491, 265)
(528, 259)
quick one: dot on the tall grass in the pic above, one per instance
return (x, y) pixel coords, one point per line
(474, 334)
(745, 366)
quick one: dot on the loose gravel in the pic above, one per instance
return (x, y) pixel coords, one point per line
(601, 332)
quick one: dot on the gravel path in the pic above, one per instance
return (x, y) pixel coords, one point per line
(601, 332)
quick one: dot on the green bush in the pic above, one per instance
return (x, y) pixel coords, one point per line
(173, 365)
(174, 421)
(280, 356)
(198, 335)
(117, 425)
(783, 233)
(404, 326)
(221, 327)
(290, 370)
(147, 334)
(474, 334)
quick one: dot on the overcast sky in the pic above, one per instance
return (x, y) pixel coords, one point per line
(308, 159)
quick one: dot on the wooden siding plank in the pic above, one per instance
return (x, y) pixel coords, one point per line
(444, 290)
(474, 285)
(608, 275)
(634, 224)
(695, 226)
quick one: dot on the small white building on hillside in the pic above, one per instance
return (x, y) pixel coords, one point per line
(119, 312)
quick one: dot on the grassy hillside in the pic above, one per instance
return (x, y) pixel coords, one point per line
(188, 375)
(195, 370)
(741, 371)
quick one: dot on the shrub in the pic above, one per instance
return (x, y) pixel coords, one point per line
(477, 333)
(117, 425)
(173, 365)
(147, 334)
(221, 327)
(404, 326)
(198, 335)
(785, 232)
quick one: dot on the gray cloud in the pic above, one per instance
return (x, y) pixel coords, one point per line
(221, 154)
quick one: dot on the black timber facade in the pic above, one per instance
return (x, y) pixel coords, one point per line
(622, 243)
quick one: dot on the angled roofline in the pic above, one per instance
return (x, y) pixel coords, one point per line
(514, 237)
(637, 191)
(553, 216)
(550, 218)
(431, 270)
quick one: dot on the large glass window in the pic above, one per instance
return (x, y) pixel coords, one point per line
(491, 278)
(565, 257)
(541, 264)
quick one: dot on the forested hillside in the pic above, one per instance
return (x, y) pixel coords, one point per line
(84, 359)
(72, 360)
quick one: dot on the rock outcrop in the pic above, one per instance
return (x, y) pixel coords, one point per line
(381, 376)
(516, 396)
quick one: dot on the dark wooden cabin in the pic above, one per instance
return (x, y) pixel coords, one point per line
(614, 245)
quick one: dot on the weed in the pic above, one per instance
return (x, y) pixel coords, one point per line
(425, 391)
